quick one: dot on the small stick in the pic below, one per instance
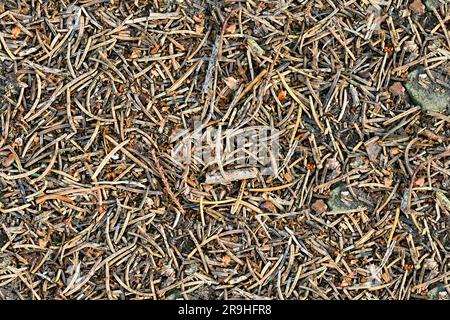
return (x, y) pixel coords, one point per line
(166, 183)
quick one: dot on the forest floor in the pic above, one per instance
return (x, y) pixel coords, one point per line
(96, 202)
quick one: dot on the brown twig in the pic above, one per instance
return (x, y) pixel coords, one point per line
(166, 182)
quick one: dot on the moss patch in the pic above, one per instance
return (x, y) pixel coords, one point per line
(429, 95)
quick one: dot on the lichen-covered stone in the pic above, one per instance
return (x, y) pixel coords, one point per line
(438, 293)
(432, 4)
(340, 199)
(174, 295)
(429, 95)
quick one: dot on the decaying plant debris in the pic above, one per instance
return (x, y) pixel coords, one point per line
(93, 206)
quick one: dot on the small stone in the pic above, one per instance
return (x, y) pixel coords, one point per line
(397, 89)
(417, 7)
(373, 150)
(319, 206)
(429, 95)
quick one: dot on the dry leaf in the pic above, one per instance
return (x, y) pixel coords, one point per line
(226, 260)
(155, 49)
(417, 7)
(199, 28)
(281, 95)
(397, 89)
(346, 282)
(198, 19)
(43, 243)
(373, 150)
(231, 83)
(231, 29)
(419, 182)
(395, 150)
(9, 160)
(191, 182)
(135, 53)
(207, 187)
(388, 182)
(319, 206)
(269, 206)
(15, 32)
